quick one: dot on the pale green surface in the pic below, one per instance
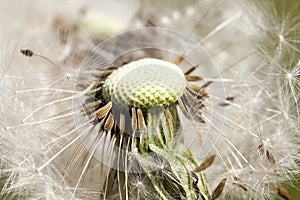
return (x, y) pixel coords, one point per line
(145, 83)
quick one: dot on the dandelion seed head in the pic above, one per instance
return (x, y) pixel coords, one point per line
(52, 147)
(145, 83)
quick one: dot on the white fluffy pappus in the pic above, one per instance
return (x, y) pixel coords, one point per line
(252, 117)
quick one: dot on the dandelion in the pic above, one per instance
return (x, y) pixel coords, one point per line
(183, 100)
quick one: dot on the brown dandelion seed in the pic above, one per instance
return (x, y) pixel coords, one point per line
(102, 74)
(27, 52)
(193, 78)
(93, 91)
(205, 164)
(270, 157)
(223, 104)
(109, 123)
(141, 121)
(150, 23)
(219, 189)
(102, 112)
(205, 85)
(261, 149)
(133, 120)
(198, 91)
(89, 107)
(190, 70)
(230, 99)
(283, 193)
(178, 60)
(238, 182)
(241, 185)
(227, 102)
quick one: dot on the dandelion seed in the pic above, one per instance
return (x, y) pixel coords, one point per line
(205, 164)
(283, 193)
(228, 101)
(270, 157)
(27, 52)
(219, 189)
(238, 182)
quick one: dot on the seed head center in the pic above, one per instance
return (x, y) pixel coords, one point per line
(145, 83)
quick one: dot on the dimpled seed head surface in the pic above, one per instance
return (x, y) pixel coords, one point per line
(145, 83)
